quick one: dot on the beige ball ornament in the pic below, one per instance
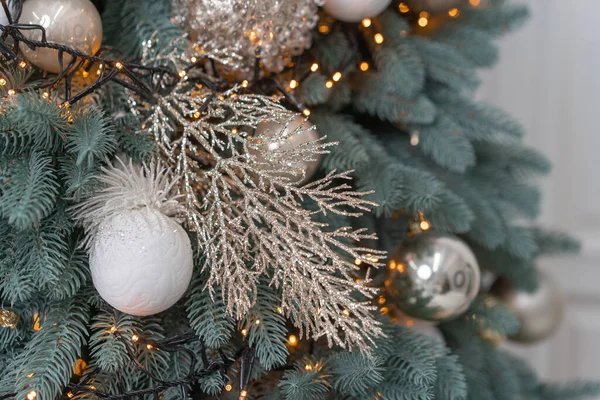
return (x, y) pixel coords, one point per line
(292, 135)
(355, 10)
(141, 258)
(539, 313)
(73, 23)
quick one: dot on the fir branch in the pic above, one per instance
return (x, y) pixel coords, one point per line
(28, 189)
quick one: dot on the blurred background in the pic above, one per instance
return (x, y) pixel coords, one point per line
(548, 78)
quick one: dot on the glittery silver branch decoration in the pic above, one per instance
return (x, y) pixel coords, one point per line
(246, 206)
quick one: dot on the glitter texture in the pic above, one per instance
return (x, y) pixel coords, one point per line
(235, 31)
(241, 195)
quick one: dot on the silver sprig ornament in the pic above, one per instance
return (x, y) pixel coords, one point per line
(243, 201)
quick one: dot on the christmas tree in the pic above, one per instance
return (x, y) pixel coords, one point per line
(266, 199)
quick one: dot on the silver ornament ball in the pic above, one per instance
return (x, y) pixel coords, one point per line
(355, 10)
(73, 23)
(141, 261)
(298, 131)
(433, 276)
(233, 32)
(539, 313)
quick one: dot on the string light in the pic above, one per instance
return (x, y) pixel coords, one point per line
(364, 66)
(475, 3)
(306, 112)
(346, 313)
(244, 332)
(45, 95)
(425, 225)
(149, 346)
(366, 22)
(423, 19)
(280, 310)
(324, 29)
(119, 65)
(235, 132)
(403, 8)
(453, 12)
(337, 76)
(414, 138)
(182, 73)
(292, 340)
(378, 38)
(228, 387)
(11, 92)
(22, 64)
(193, 59)
(113, 329)
(392, 264)
(135, 338)
(308, 367)
(384, 310)
(70, 395)
(329, 84)
(244, 83)
(197, 114)
(293, 84)
(29, 375)
(257, 322)
(2, 81)
(314, 67)
(381, 300)
(357, 261)
(31, 395)
(243, 393)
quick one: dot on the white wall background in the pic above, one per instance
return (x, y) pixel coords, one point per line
(549, 78)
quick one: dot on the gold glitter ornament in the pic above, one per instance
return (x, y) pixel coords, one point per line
(233, 32)
(8, 319)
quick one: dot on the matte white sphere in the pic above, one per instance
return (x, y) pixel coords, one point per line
(355, 10)
(304, 135)
(74, 23)
(141, 261)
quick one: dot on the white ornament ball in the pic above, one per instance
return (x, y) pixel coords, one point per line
(73, 23)
(141, 261)
(3, 17)
(355, 10)
(297, 132)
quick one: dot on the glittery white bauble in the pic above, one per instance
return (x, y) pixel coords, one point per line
(355, 10)
(141, 261)
(297, 132)
(231, 31)
(74, 23)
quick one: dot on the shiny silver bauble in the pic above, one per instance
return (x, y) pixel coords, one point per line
(355, 10)
(73, 23)
(539, 313)
(433, 276)
(298, 131)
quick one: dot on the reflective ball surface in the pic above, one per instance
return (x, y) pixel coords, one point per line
(73, 23)
(539, 313)
(433, 276)
(297, 132)
(355, 10)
